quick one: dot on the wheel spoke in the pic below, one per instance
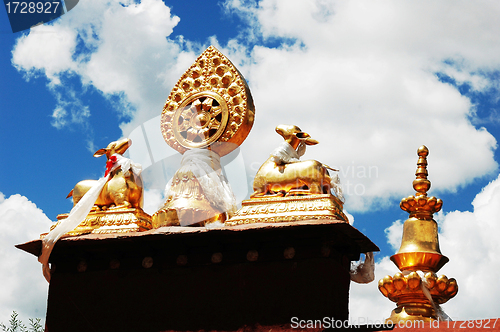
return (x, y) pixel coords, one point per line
(214, 124)
(196, 106)
(216, 110)
(207, 104)
(191, 134)
(184, 125)
(204, 133)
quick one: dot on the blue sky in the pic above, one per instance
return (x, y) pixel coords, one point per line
(370, 81)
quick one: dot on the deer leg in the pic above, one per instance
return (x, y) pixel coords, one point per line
(121, 200)
(315, 188)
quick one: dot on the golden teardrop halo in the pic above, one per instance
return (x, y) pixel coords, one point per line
(209, 107)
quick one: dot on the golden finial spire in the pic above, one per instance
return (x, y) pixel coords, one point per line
(421, 206)
(419, 251)
(421, 184)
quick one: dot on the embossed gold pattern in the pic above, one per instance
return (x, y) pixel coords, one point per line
(110, 221)
(210, 106)
(284, 209)
(441, 288)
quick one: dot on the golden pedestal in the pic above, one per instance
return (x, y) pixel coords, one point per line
(286, 209)
(111, 221)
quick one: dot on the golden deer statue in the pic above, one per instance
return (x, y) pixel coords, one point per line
(284, 175)
(122, 190)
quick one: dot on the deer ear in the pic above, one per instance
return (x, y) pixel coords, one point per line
(280, 130)
(100, 152)
(123, 145)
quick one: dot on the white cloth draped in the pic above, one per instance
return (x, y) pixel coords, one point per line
(205, 165)
(286, 154)
(364, 272)
(441, 315)
(80, 211)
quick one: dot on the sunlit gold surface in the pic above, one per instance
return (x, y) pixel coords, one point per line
(407, 292)
(290, 190)
(191, 118)
(118, 209)
(420, 231)
(308, 177)
(200, 120)
(419, 251)
(188, 205)
(423, 261)
(401, 288)
(111, 221)
(283, 209)
(210, 107)
(123, 190)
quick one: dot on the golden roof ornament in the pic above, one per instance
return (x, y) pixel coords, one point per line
(117, 205)
(210, 106)
(417, 290)
(112, 204)
(208, 114)
(288, 189)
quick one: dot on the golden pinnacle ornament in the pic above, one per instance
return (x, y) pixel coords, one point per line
(208, 114)
(417, 290)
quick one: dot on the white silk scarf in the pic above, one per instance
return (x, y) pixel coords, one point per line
(205, 165)
(80, 211)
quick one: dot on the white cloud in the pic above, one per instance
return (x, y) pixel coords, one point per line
(153, 200)
(470, 241)
(119, 48)
(23, 287)
(394, 234)
(48, 49)
(358, 76)
(362, 80)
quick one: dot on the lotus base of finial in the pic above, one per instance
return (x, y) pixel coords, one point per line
(408, 291)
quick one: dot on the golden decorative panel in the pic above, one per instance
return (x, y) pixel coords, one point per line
(110, 221)
(210, 105)
(285, 209)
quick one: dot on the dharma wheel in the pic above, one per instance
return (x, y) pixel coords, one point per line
(209, 107)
